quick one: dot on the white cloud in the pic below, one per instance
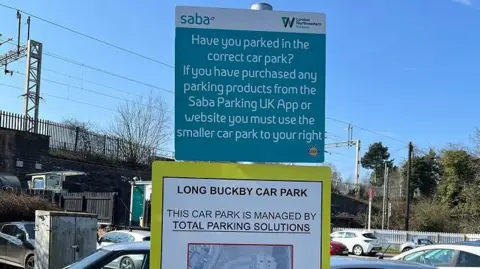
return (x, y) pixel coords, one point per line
(464, 2)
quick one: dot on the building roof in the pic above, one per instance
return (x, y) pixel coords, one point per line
(9, 180)
(64, 173)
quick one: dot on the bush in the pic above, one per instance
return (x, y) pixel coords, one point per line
(18, 207)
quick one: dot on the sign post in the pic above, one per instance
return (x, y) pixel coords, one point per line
(221, 215)
(249, 85)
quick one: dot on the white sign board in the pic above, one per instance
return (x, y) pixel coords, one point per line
(217, 223)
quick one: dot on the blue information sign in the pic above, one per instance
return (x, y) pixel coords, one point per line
(249, 85)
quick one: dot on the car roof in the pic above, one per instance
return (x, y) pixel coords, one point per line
(139, 232)
(474, 249)
(17, 223)
(357, 232)
(474, 243)
(133, 232)
(337, 262)
(145, 245)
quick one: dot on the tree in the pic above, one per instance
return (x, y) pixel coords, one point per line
(375, 159)
(426, 172)
(336, 179)
(459, 171)
(476, 140)
(80, 132)
(142, 128)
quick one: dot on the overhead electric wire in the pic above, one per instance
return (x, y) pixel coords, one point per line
(60, 97)
(85, 80)
(80, 88)
(106, 72)
(97, 69)
(89, 36)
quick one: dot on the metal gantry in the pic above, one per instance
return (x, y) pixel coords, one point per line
(32, 85)
(12, 56)
(356, 144)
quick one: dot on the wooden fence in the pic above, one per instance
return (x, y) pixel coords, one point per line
(108, 206)
(101, 203)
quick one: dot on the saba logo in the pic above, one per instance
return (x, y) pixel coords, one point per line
(288, 22)
(196, 19)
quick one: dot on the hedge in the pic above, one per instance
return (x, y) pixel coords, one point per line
(21, 207)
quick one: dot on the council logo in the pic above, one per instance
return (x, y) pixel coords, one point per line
(313, 151)
(288, 22)
(300, 22)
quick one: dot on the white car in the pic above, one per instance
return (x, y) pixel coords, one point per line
(444, 256)
(337, 262)
(358, 243)
(124, 236)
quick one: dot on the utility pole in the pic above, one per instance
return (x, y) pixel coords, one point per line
(389, 214)
(371, 193)
(357, 169)
(407, 191)
(385, 194)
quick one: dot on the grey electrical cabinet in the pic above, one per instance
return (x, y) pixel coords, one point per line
(62, 238)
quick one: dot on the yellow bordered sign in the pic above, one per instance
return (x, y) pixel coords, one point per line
(200, 208)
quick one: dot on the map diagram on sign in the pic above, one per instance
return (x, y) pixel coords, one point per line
(218, 256)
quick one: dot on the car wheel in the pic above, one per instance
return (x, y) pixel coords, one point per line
(126, 263)
(406, 249)
(358, 250)
(30, 262)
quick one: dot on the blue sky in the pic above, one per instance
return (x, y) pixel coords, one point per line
(406, 69)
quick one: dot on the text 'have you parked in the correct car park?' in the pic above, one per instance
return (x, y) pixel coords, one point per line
(243, 92)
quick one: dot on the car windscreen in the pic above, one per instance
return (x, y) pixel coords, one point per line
(89, 260)
(30, 228)
(369, 235)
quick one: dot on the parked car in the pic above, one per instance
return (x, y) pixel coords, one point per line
(107, 257)
(443, 256)
(337, 248)
(17, 244)
(337, 262)
(358, 243)
(123, 236)
(414, 243)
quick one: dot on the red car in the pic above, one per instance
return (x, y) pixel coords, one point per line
(337, 248)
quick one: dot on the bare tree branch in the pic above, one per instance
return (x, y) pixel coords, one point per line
(476, 140)
(142, 128)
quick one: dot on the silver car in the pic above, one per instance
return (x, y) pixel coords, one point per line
(338, 262)
(108, 257)
(415, 243)
(17, 244)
